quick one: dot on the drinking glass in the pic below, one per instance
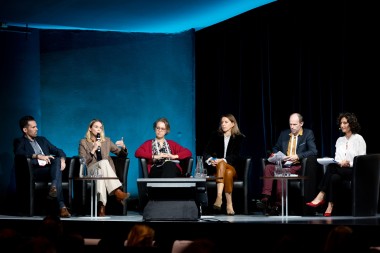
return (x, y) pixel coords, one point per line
(278, 172)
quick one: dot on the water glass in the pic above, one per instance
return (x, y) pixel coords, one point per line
(96, 172)
(286, 171)
(278, 171)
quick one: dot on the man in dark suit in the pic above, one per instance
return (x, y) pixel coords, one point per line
(46, 158)
(296, 143)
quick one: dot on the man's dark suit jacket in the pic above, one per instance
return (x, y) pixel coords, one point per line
(306, 146)
(22, 147)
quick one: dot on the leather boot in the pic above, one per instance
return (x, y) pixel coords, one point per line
(121, 196)
(101, 209)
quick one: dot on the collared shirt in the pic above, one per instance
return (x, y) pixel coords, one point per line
(292, 145)
(36, 147)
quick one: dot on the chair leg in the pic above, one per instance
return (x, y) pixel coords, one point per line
(31, 202)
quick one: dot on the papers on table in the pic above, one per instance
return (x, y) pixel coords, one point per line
(326, 160)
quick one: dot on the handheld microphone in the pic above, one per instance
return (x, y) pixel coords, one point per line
(98, 139)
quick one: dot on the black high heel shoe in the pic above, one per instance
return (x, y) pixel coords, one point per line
(215, 207)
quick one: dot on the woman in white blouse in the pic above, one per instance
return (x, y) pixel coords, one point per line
(346, 148)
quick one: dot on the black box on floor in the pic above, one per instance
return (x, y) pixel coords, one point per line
(171, 210)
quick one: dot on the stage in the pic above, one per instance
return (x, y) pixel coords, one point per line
(232, 233)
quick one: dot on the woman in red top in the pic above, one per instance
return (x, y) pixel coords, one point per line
(162, 155)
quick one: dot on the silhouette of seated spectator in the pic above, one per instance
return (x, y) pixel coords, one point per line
(10, 240)
(38, 244)
(201, 246)
(342, 239)
(141, 239)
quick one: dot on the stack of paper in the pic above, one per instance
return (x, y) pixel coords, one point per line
(326, 160)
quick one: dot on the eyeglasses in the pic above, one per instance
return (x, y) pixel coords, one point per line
(160, 128)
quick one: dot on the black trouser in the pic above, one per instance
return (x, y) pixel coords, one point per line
(332, 181)
(314, 173)
(167, 170)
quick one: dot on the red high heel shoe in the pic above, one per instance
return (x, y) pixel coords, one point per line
(327, 214)
(315, 205)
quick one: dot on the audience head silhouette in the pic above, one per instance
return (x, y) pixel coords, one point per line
(141, 236)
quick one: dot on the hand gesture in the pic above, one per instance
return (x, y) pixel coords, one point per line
(120, 143)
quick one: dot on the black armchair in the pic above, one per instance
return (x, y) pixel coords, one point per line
(364, 185)
(29, 185)
(78, 189)
(240, 193)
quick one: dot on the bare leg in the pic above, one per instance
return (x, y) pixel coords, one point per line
(329, 207)
(219, 191)
(320, 197)
(230, 209)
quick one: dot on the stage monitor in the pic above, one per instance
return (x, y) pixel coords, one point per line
(171, 198)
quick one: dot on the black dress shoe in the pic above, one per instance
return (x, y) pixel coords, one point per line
(274, 211)
(218, 208)
(262, 204)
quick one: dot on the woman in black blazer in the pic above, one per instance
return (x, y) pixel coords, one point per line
(222, 155)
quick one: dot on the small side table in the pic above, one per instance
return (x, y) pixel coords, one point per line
(94, 200)
(284, 193)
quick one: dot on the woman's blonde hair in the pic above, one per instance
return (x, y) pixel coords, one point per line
(88, 133)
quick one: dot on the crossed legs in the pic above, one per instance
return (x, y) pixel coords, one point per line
(225, 175)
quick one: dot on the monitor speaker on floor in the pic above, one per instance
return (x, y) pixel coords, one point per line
(171, 198)
(171, 210)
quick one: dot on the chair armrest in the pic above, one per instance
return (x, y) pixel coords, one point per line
(263, 163)
(187, 166)
(144, 167)
(247, 169)
(304, 168)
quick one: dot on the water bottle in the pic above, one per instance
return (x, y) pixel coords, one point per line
(199, 167)
(83, 167)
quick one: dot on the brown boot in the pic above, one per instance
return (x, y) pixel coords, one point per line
(121, 196)
(101, 209)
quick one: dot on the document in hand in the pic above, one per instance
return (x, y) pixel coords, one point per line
(277, 156)
(41, 162)
(326, 160)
